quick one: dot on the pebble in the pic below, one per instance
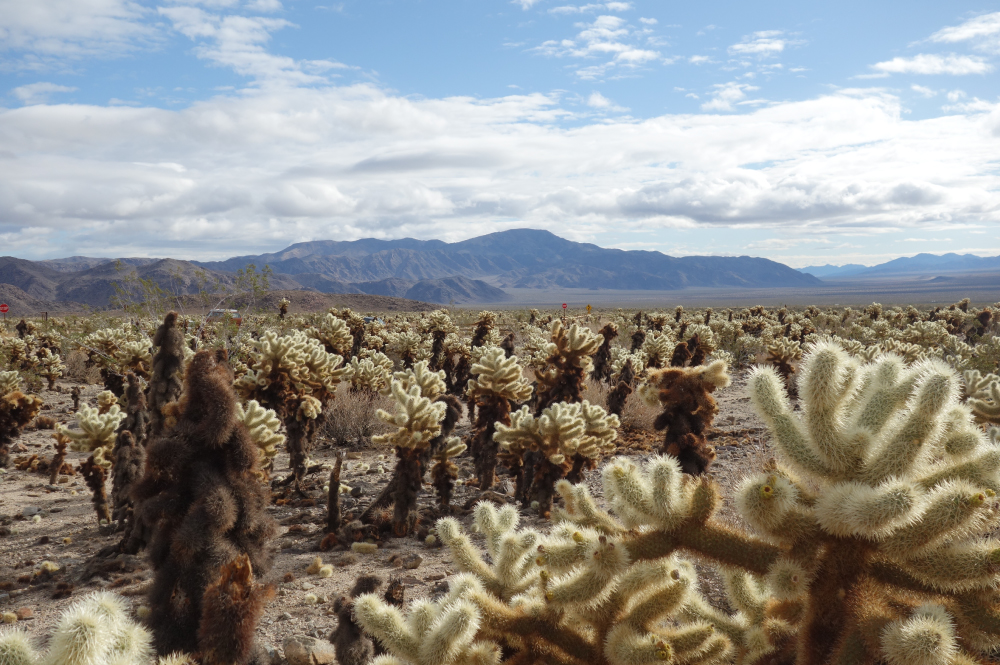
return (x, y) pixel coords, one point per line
(25, 613)
(305, 650)
(356, 492)
(306, 586)
(285, 616)
(353, 455)
(4, 597)
(30, 511)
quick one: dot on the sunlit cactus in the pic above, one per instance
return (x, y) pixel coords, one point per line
(371, 374)
(984, 396)
(899, 486)
(568, 363)
(334, 334)
(497, 383)
(782, 353)
(658, 349)
(565, 438)
(50, 366)
(263, 426)
(424, 418)
(296, 377)
(574, 596)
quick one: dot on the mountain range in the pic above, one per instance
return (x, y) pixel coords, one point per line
(921, 264)
(471, 271)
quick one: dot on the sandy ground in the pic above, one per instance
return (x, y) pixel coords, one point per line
(67, 532)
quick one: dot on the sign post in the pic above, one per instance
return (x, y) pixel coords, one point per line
(4, 309)
(588, 309)
(564, 305)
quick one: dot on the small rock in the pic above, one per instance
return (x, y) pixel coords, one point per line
(273, 655)
(412, 561)
(353, 455)
(19, 448)
(25, 613)
(356, 492)
(30, 511)
(306, 586)
(4, 597)
(305, 650)
(285, 616)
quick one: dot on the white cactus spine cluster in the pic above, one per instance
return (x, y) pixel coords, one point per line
(561, 431)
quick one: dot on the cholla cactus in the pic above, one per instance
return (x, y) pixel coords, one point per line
(602, 359)
(781, 354)
(16, 411)
(685, 395)
(439, 325)
(898, 485)
(94, 630)
(371, 374)
(50, 366)
(567, 365)
(444, 472)
(105, 400)
(423, 419)
(96, 429)
(297, 377)
(334, 334)
(497, 382)
(410, 346)
(283, 308)
(658, 349)
(984, 396)
(263, 425)
(484, 333)
(573, 597)
(565, 438)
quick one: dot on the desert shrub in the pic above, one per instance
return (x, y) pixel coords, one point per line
(351, 418)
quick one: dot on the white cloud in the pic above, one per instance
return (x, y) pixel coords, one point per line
(599, 101)
(238, 42)
(925, 63)
(986, 25)
(921, 90)
(264, 6)
(699, 59)
(762, 44)
(609, 39)
(648, 21)
(956, 95)
(51, 34)
(38, 93)
(724, 95)
(256, 169)
(525, 4)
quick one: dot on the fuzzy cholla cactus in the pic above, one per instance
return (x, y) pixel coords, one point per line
(50, 366)
(984, 396)
(410, 346)
(567, 364)
(371, 374)
(16, 411)
(93, 631)
(334, 334)
(781, 354)
(263, 425)
(440, 632)
(685, 395)
(883, 499)
(575, 596)
(296, 376)
(565, 438)
(96, 429)
(423, 420)
(497, 382)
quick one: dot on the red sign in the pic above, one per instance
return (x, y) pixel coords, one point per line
(564, 306)
(4, 309)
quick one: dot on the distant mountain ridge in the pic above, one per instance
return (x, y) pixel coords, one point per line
(471, 271)
(519, 258)
(921, 264)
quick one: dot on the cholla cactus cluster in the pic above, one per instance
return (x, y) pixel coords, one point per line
(296, 377)
(263, 425)
(565, 438)
(984, 396)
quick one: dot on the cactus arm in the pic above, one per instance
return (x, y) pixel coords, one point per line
(714, 541)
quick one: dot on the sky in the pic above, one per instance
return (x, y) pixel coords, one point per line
(807, 133)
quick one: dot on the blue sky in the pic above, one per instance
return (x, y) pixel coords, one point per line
(857, 132)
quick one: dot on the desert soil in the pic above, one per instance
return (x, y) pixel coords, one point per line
(67, 532)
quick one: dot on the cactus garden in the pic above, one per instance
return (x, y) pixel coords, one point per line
(745, 486)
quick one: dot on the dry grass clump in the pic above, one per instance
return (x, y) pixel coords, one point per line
(351, 419)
